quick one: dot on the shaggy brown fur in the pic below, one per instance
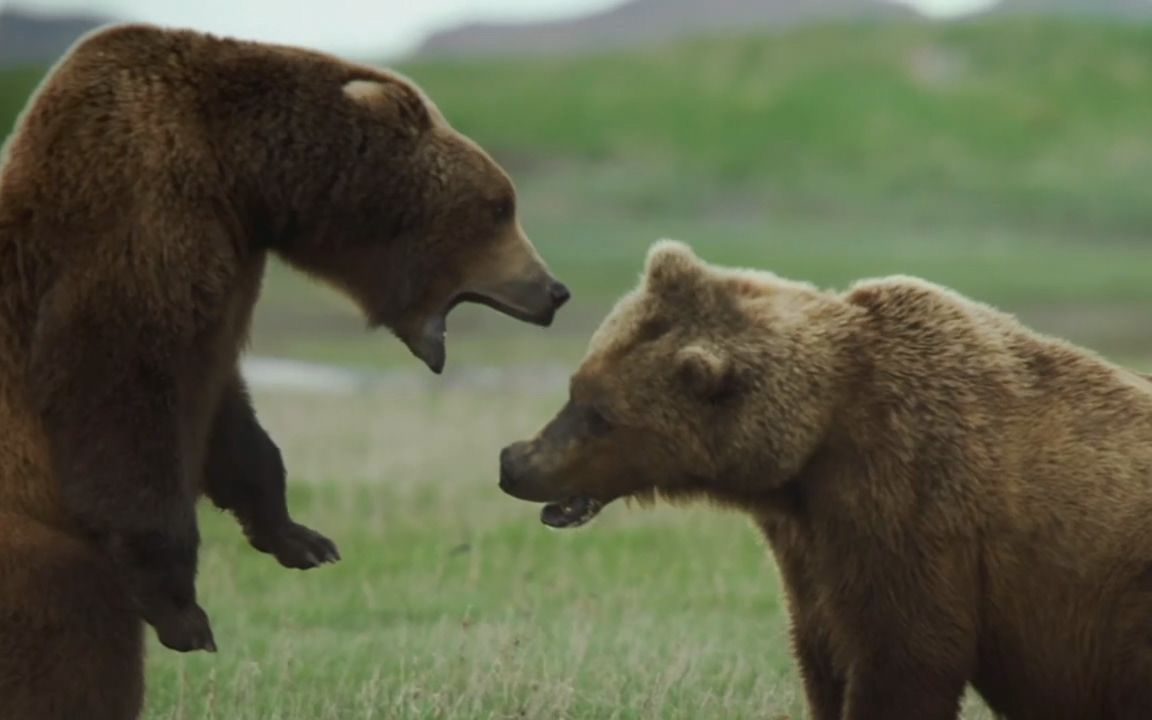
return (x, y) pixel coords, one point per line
(952, 499)
(139, 196)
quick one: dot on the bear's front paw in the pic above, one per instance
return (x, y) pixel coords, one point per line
(185, 630)
(296, 546)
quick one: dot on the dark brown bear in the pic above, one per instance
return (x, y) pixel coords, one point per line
(140, 195)
(951, 498)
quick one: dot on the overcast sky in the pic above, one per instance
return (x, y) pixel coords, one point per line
(363, 27)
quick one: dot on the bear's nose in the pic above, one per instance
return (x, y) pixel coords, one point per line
(560, 294)
(506, 475)
(520, 477)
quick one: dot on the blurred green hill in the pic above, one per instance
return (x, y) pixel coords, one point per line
(1024, 120)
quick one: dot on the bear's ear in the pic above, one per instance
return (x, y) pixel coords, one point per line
(672, 268)
(364, 92)
(391, 99)
(704, 371)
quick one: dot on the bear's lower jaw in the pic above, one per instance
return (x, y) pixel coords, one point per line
(429, 343)
(571, 513)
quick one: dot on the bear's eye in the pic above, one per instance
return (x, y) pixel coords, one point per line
(596, 422)
(503, 210)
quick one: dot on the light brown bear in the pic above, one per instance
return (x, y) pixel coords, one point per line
(144, 187)
(951, 498)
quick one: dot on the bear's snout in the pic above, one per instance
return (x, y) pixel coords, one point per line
(533, 301)
(516, 474)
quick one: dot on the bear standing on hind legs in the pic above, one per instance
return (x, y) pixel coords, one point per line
(140, 194)
(951, 498)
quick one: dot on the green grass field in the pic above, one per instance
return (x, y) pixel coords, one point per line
(453, 601)
(1010, 161)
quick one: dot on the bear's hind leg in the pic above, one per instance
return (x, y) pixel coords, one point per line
(70, 645)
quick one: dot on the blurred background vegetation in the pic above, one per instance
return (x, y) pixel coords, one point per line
(1007, 154)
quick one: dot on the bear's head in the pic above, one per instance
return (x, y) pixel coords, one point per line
(402, 212)
(202, 153)
(704, 381)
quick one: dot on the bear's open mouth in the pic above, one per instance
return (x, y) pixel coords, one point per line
(430, 344)
(571, 513)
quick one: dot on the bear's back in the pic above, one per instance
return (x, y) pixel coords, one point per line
(1049, 425)
(111, 134)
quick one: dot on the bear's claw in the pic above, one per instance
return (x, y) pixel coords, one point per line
(297, 547)
(186, 630)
